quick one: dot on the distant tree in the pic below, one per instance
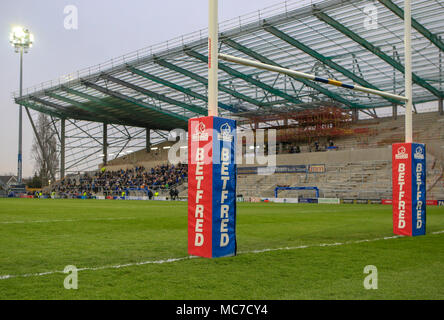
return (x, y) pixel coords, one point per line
(45, 167)
(35, 182)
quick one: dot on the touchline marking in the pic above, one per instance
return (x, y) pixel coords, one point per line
(66, 220)
(9, 276)
(319, 245)
(4, 277)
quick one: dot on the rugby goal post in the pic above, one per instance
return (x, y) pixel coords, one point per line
(408, 158)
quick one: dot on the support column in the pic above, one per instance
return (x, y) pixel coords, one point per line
(62, 148)
(440, 108)
(148, 140)
(105, 144)
(355, 115)
(394, 111)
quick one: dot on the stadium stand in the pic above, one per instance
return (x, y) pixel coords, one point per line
(359, 167)
(6, 183)
(158, 155)
(138, 180)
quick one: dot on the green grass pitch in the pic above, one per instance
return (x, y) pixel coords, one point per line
(321, 255)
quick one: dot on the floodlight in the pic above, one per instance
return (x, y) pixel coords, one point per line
(21, 38)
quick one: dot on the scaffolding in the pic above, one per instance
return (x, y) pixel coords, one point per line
(304, 126)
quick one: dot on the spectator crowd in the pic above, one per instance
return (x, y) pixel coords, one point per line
(122, 182)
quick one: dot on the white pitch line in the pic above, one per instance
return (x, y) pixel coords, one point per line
(4, 277)
(318, 245)
(66, 220)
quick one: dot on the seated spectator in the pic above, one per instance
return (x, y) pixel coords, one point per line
(113, 183)
(316, 144)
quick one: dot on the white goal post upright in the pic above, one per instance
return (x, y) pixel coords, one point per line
(409, 165)
(408, 71)
(212, 168)
(213, 59)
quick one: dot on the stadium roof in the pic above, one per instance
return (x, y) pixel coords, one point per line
(161, 87)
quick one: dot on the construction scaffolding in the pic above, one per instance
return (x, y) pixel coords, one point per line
(304, 126)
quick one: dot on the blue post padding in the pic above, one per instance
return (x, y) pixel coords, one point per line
(224, 188)
(418, 189)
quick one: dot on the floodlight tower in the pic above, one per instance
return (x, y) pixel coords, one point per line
(21, 39)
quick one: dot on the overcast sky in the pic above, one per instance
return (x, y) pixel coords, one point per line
(106, 29)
